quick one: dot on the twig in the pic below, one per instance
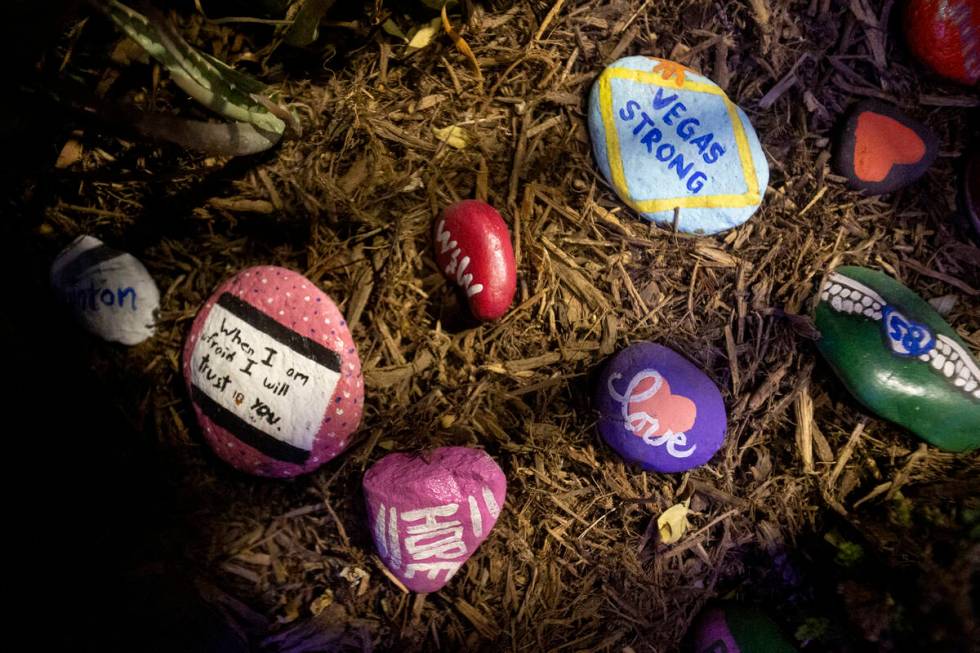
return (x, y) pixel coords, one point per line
(548, 18)
(846, 453)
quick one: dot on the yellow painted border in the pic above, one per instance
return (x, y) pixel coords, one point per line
(749, 198)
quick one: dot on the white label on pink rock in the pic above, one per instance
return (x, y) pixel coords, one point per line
(265, 383)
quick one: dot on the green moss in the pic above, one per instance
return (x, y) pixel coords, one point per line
(849, 553)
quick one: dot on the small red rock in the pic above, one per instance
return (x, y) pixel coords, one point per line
(945, 35)
(473, 250)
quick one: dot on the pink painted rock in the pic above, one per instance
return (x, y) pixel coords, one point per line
(473, 250)
(273, 374)
(428, 513)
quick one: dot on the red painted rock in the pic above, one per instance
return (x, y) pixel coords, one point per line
(945, 35)
(428, 513)
(273, 374)
(473, 250)
(881, 149)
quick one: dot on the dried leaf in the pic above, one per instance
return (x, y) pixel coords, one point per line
(71, 153)
(127, 51)
(454, 136)
(943, 304)
(672, 524)
(306, 21)
(424, 35)
(461, 45)
(322, 602)
(392, 28)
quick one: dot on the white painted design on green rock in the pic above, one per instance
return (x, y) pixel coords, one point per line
(947, 357)
(846, 295)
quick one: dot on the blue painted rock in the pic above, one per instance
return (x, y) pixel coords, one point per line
(110, 292)
(658, 410)
(667, 138)
(899, 357)
(734, 628)
(273, 373)
(429, 512)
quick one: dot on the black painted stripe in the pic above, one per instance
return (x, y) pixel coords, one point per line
(70, 273)
(302, 345)
(247, 433)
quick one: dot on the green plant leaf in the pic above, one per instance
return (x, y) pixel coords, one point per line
(215, 85)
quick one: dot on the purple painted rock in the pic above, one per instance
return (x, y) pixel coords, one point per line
(273, 373)
(734, 628)
(428, 513)
(971, 191)
(659, 410)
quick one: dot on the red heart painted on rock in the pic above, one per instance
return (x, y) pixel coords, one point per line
(880, 143)
(653, 411)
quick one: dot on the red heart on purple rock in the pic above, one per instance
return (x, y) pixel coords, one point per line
(654, 411)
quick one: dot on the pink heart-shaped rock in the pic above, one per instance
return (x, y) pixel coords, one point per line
(428, 513)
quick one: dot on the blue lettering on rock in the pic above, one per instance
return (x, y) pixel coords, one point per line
(651, 134)
(95, 297)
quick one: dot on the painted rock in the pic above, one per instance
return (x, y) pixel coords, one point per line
(945, 35)
(899, 358)
(970, 193)
(881, 149)
(110, 292)
(733, 628)
(658, 410)
(428, 513)
(667, 138)
(473, 250)
(273, 374)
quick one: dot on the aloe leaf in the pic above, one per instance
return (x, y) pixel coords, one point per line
(213, 84)
(246, 83)
(229, 139)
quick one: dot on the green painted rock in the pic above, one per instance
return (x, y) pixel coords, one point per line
(899, 357)
(734, 628)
